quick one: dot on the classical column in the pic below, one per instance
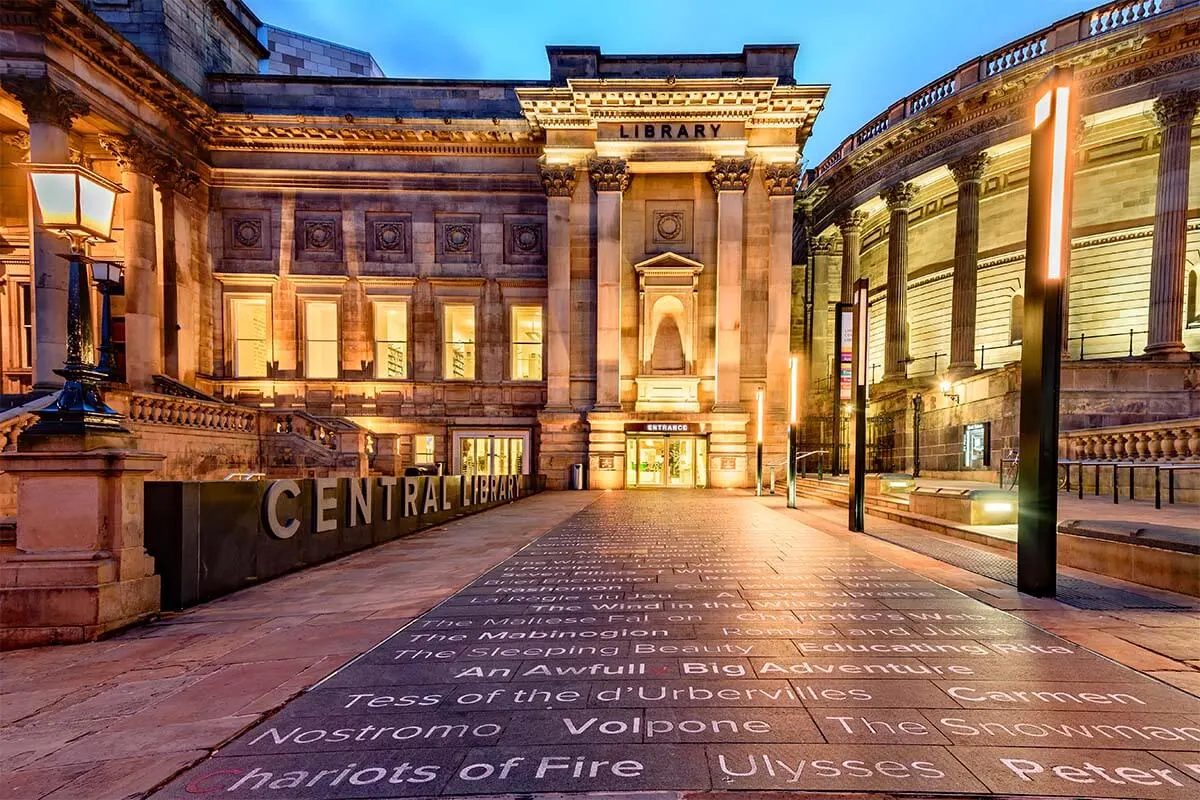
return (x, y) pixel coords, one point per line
(899, 198)
(821, 259)
(558, 180)
(139, 162)
(968, 173)
(780, 181)
(610, 179)
(1165, 326)
(729, 177)
(850, 223)
(51, 112)
(173, 180)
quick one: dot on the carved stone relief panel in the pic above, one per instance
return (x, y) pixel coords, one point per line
(389, 237)
(457, 238)
(669, 226)
(247, 234)
(318, 236)
(524, 239)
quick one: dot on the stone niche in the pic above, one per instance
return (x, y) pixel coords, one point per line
(667, 334)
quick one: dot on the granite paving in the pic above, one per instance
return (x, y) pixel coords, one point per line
(690, 642)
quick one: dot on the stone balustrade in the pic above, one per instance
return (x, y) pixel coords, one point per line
(1171, 441)
(1045, 43)
(11, 427)
(306, 426)
(158, 409)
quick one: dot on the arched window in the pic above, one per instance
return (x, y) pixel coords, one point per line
(1193, 313)
(1016, 320)
(667, 352)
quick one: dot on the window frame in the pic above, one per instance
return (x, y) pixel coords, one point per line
(304, 301)
(231, 333)
(403, 302)
(446, 309)
(432, 439)
(513, 341)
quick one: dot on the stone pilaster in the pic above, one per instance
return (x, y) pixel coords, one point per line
(1165, 324)
(821, 259)
(899, 198)
(174, 180)
(968, 173)
(139, 162)
(730, 177)
(780, 181)
(610, 179)
(51, 111)
(559, 181)
(850, 223)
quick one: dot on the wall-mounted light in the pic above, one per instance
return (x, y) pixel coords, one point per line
(948, 391)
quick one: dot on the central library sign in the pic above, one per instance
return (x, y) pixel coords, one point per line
(209, 538)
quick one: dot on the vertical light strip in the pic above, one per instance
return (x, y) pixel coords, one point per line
(863, 337)
(760, 416)
(1058, 182)
(792, 390)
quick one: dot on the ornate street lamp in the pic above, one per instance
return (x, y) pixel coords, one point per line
(1048, 249)
(107, 275)
(78, 205)
(758, 448)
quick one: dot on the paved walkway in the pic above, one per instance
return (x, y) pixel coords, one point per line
(706, 641)
(113, 719)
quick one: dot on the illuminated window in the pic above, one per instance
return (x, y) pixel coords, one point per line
(250, 332)
(25, 314)
(321, 339)
(391, 340)
(1016, 320)
(492, 455)
(423, 448)
(527, 343)
(458, 343)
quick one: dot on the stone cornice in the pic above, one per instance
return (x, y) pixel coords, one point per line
(43, 101)
(78, 31)
(781, 179)
(326, 134)
(608, 174)
(558, 180)
(730, 174)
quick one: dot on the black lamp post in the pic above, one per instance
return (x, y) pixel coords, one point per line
(861, 357)
(77, 204)
(107, 275)
(918, 407)
(1048, 254)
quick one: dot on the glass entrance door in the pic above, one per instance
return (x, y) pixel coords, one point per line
(666, 461)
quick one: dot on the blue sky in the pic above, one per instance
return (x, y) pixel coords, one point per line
(872, 52)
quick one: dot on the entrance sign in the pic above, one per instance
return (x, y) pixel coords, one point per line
(662, 427)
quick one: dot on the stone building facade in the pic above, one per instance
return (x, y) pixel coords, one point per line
(603, 268)
(928, 203)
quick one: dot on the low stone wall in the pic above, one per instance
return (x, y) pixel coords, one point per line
(209, 538)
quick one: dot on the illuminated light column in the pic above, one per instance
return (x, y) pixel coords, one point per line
(780, 181)
(174, 181)
(729, 177)
(850, 223)
(968, 173)
(610, 179)
(758, 445)
(1165, 324)
(51, 112)
(558, 181)
(861, 358)
(1048, 238)
(793, 422)
(899, 199)
(138, 162)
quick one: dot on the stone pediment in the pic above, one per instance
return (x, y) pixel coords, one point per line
(666, 264)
